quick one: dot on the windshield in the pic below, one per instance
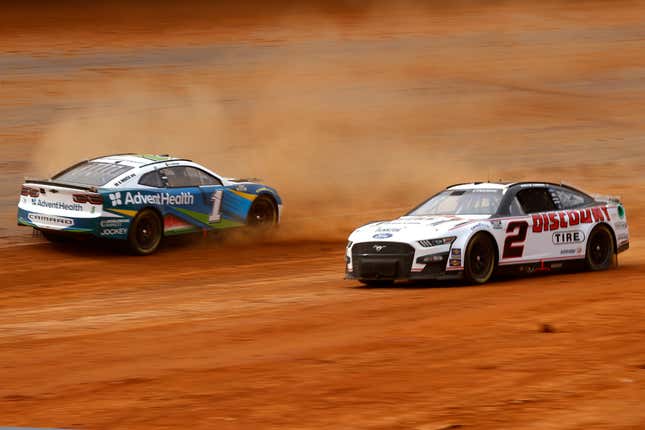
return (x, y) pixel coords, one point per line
(91, 173)
(461, 202)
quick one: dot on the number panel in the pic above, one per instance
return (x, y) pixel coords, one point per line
(516, 233)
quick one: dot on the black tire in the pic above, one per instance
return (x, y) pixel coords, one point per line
(377, 282)
(146, 231)
(601, 252)
(263, 215)
(480, 259)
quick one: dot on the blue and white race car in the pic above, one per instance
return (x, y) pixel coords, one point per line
(142, 198)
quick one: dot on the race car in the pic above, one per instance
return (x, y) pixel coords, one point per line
(471, 231)
(141, 198)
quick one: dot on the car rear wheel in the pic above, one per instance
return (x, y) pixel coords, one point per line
(479, 261)
(263, 214)
(146, 231)
(600, 249)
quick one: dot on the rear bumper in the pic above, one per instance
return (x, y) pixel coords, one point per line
(623, 247)
(99, 226)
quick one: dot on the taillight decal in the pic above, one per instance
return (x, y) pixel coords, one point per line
(94, 199)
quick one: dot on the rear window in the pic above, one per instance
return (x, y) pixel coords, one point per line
(91, 173)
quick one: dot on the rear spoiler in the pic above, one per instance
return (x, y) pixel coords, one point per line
(244, 179)
(61, 184)
(607, 199)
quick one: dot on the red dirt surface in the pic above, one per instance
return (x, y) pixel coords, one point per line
(354, 113)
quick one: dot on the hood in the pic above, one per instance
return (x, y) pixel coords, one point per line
(411, 228)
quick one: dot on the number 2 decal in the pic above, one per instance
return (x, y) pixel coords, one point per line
(514, 243)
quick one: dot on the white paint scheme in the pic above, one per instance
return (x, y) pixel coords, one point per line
(538, 247)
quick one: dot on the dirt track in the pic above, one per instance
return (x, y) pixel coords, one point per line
(346, 112)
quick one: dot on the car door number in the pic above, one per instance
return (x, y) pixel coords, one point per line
(216, 211)
(516, 236)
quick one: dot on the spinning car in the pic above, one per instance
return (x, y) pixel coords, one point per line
(141, 198)
(473, 230)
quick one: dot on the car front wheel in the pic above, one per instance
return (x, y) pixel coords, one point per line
(479, 261)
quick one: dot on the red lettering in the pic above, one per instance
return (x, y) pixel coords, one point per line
(597, 214)
(574, 217)
(537, 224)
(585, 216)
(563, 221)
(545, 219)
(606, 211)
(555, 224)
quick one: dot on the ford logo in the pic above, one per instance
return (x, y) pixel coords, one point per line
(382, 236)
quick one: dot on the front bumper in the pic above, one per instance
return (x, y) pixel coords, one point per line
(394, 261)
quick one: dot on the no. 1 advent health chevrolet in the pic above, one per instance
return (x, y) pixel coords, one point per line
(141, 198)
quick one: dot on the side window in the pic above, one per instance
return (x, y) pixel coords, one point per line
(199, 177)
(185, 176)
(175, 177)
(569, 199)
(151, 179)
(515, 208)
(535, 200)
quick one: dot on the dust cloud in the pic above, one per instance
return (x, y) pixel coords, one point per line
(360, 118)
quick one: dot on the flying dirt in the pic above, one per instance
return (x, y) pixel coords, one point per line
(355, 113)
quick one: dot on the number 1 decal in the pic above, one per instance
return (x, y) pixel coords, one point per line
(216, 212)
(514, 243)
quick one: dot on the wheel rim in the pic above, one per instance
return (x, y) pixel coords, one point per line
(262, 214)
(480, 259)
(147, 233)
(599, 248)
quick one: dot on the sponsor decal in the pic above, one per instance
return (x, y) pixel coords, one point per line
(567, 237)
(623, 237)
(138, 198)
(454, 262)
(568, 252)
(57, 205)
(620, 225)
(125, 179)
(115, 198)
(379, 248)
(455, 252)
(558, 220)
(242, 188)
(382, 236)
(117, 222)
(387, 230)
(478, 226)
(114, 231)
(497, 224)
(52, 220)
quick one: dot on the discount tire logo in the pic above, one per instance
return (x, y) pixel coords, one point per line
(568, 237)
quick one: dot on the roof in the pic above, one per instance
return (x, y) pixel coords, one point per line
(134, 160)
(505, 185)
(479, 185)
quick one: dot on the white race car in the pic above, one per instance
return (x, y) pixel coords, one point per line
(474, 230)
